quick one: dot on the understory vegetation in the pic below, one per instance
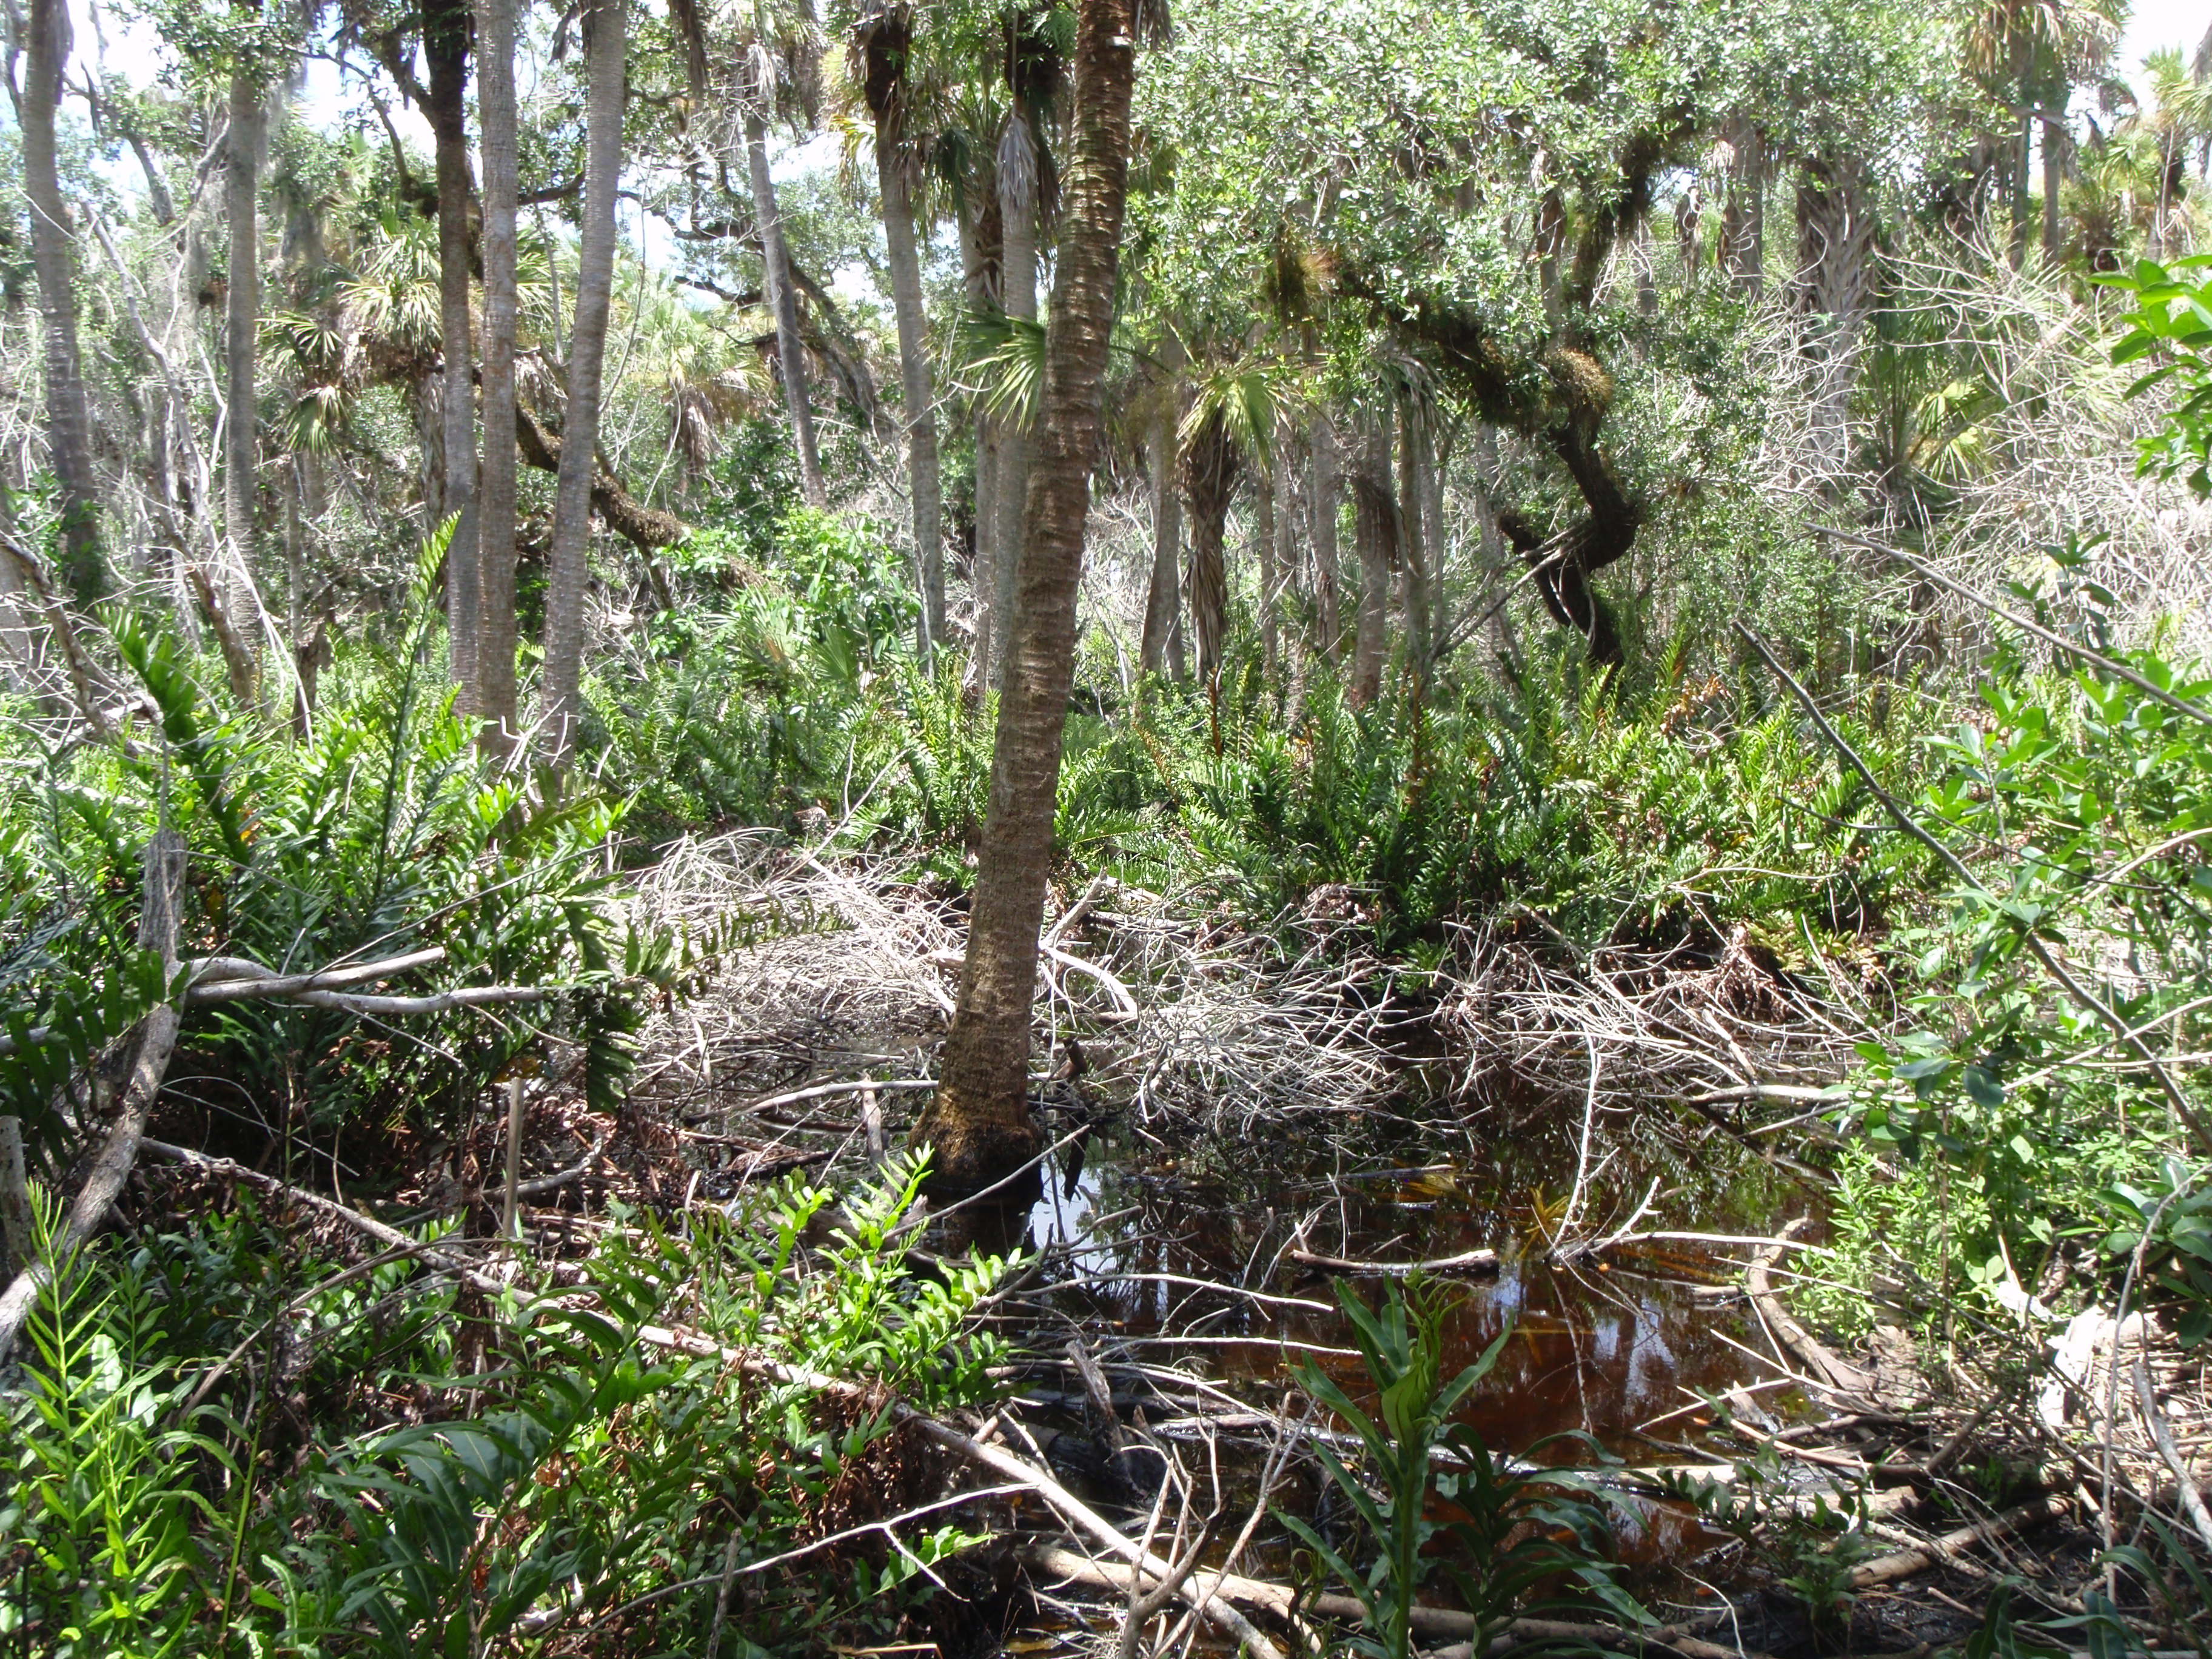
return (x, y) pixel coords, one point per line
(1407, 813)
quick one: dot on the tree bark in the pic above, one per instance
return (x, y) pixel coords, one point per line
(980, 247)
(1263, 543)
(2054, 140)
(1018, 207)
(1375, 511)
(917, 382)
(978, 1122)
(69, 415)
(783, 302)
(569, 559)
(1160, 647)
(1327, 473)
(446, 48)
(241, 485)
(1743, 216)
(1413, 545)
(496, 635)
(1209, 479)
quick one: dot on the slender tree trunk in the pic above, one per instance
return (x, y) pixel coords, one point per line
(917, 383)
(1263, 544)
(496, 637)
(979, 1122)
(1328, 475)
(69, 415)
(445, 47)
(569, 560)
(1375, 509)
(242, 486)
(2054, 140)
(1419, 646)
(1019, 203)
(1161, 647)
(783, 300)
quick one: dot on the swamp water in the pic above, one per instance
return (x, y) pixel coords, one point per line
(1624, 1351)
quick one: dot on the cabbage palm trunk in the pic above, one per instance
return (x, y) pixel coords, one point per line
(446, 48)
(568, 560)
(1018, 206)
(496, 641)
(978, 1123)
(69, 415)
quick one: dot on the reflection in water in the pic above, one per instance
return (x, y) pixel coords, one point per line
(1596, 1350)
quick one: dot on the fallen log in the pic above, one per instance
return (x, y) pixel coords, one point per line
(1821, 1361)
(1886, 1569)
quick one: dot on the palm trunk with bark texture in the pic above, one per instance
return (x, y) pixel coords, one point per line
(978, 1122)
(917, 382)
(241, 487)
(1209, 479)
(1160, 649)
(497, 635)
(446, 48)
(569, 558)
(1743, 216)
(783, 301)
(68, 415)
(980, 247)
(1328, 479)
(1376, 513)
(1018, 206)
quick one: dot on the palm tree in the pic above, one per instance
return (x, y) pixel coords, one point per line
(883, 44)
(1231, 421)
(69, 415)
(568, 561)
(446, 49)
(2029, 52)
(496, 641)
(978, 1122)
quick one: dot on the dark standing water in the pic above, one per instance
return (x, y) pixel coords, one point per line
(1627, 1350)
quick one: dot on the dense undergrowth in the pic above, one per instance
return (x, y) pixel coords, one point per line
(329, 1495)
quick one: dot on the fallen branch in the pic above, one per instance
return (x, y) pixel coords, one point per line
(2193, 1500)
(157, 1040)
(1484, 1261)
(1886, 1569)
(1192, 1590)
(1814, 1355)
(237, 979)
(368, 1226)
(1283, 1602)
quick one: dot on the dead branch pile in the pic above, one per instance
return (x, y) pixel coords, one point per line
(831, 967)
(1626, 1026)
